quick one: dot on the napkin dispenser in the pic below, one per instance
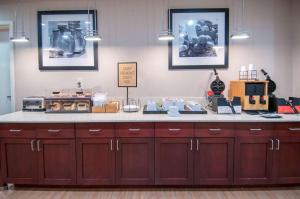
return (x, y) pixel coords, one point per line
(284, 107)
(222, 106)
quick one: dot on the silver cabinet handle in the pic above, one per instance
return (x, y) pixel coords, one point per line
(32, 145)
(278, 145)
(54, 130)
(15, 130)
(111, 145)
(38, 145)
(272, 145)
(117, 145)
(191, 144)
(294, 129)
(197, 145)
(215, 130)
(174, 130)
(255, 129)
(95, 130)
(134, 130)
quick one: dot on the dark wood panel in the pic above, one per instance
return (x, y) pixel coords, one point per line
(175, 129)
(214, 130)
(254, 129)
(124, 130)
(55, 131)
(173, 161)
(214, 161)
(253, 160)
(57, 165)
(18, 161)
(17, 131)
(287, 160)
(95, 130)
(288, 129)
(95, 161)
(135, 161)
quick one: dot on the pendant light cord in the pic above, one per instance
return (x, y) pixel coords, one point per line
(95, 17)
(169, 17)
(243, 16)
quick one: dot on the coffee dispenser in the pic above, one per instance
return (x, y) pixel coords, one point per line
(253, 94)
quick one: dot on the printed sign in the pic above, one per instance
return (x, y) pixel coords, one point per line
(127, 74)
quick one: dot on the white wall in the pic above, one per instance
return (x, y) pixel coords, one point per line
(296, 47)
(130, 28)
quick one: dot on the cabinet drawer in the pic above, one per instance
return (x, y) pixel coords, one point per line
(90, 130)
(288, 129)
(55, 131)
(174, 130)
(214, 130)
(135, 130)
(255, 129)
(17, 131)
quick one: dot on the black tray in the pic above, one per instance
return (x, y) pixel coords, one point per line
(203, 111)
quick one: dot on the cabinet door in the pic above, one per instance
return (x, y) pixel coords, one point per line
(135, 161)
(253, 160)
(214, 161)
(19, 161)
(287, 160)
(174, 161)
(95, 161)
(56, 162)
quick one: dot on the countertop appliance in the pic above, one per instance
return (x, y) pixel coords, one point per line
(34, 104)
(254, 94)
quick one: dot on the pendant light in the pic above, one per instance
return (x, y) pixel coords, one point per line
(241, 34)
(18, 37)
(92, 33)
(167, 35)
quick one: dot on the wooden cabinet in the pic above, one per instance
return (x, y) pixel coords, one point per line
(42, 154)
(135, 154)
(174, 153)
(253, 160)
(135, 161)
(213, 161)
(174, 161)
(287, 154)
(19, 161)
(95, 161)
(254, 154)
(150, 154)
(56, 162)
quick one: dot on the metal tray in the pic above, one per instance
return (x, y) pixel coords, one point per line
(203, 111)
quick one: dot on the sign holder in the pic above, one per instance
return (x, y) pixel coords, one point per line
(127, 76)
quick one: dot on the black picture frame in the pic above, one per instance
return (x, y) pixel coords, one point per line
(136, 69)
(226, 38)
(42, 67)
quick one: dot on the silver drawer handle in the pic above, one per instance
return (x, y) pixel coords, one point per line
(134, 130)
(174, 130)
(54, 130)
(15, 130)
(294, 129)
(95, 130)
(255, 129)
(214, 130)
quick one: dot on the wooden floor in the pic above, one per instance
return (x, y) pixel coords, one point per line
(265, 193)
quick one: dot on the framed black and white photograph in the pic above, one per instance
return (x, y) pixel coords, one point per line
(201, 38)
(61, 40)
